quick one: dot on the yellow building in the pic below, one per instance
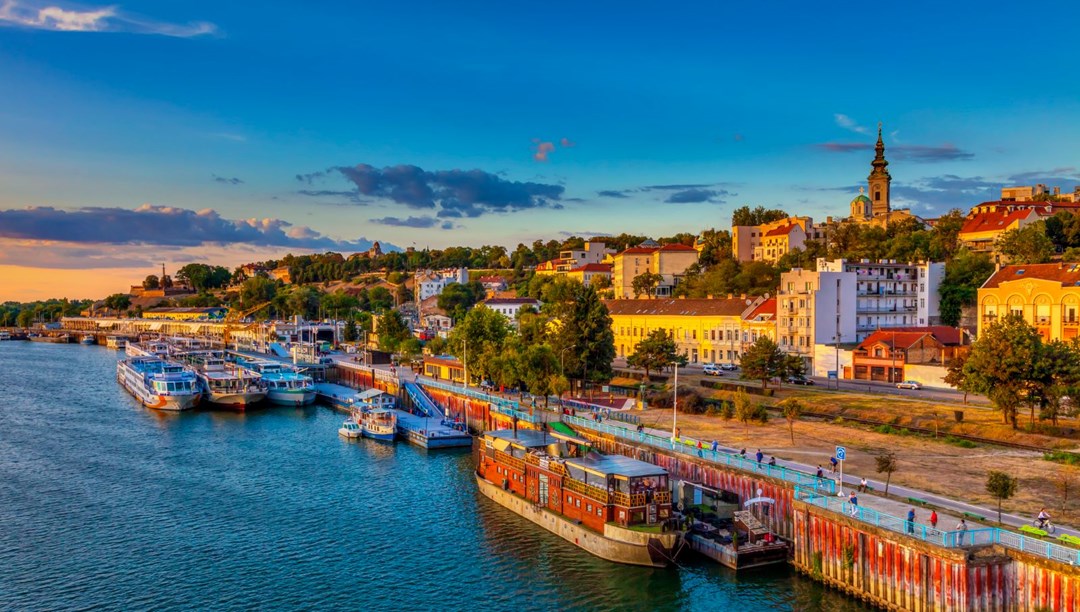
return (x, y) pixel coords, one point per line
(670, 261)
(186, 314)
(771, 241)
(987, 223)
(1045, 295)
(587, 273)
(705, 330)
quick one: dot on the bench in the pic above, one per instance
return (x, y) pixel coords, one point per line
(974, 517)
(917, 501)
(1035, 531)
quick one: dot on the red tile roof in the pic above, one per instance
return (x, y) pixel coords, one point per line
(949, 336)
(638, 250)
(512, 301)
(1068, 274)
(994, 221)
(677, 247)
(593, 267)
(893, 338)
(764, 309)
(676, 307)
(783, 230)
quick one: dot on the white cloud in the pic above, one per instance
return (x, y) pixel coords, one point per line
(850, 124)
(37, 15)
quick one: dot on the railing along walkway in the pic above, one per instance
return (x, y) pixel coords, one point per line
(498, 404)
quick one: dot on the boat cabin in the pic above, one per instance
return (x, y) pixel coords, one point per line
(562, 474)
(375, 398)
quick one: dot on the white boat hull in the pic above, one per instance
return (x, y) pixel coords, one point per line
(236, 400)
(290, 397)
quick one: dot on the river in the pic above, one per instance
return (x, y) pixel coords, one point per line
(106, 504)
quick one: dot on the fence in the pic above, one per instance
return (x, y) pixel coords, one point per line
(688, 447)
(608, 413)
(948, 539)
(498, 404)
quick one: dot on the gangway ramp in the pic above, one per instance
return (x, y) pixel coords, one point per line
(424, 402)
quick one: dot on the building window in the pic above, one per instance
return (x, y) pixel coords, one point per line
(877, 196)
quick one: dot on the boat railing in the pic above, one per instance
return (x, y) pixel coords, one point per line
(512, 461)
(586, 489)
(687, 447)
(498, 404)
(661, 497)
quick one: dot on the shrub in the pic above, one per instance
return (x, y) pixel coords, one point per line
(962, 443)
(1062, 457)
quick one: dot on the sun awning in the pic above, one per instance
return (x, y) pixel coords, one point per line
(500, 444)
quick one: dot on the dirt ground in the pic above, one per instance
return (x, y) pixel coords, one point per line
(925, 464)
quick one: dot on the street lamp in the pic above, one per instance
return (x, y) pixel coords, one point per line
(562, 359)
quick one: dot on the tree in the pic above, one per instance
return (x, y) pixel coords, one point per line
(964, 274)
(955, 376)
(478, 340)
(25, 318)
(762, 361)
(646, 283)
(391, 330)
(118, 302)
(456, 299)
(1000, 486)
(1026, 245)
(794, 367)
(744, 408)
(586, 334)
(757, 216)
(351, 333)
(409, 349)
(886, 463)
(1065, 485)
(151, 282)
(380, 299)
(655, 352)
(256, 290)
(793, 409)
(1002, 364)
(539, 370)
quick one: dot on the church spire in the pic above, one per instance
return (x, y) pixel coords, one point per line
(879, 180)
(879, 164)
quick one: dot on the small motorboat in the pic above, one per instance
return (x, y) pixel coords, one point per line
(87, 340)
(350, 429)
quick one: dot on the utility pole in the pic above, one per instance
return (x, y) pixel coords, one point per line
(675, 406)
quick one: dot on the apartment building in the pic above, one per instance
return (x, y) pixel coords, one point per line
(1045, 295)
(771, 241)
(670, 261)
(892, 294)
(593, 252)
(815, 308)
(432, 282)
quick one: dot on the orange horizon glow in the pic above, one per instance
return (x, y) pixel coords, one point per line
(23, 284)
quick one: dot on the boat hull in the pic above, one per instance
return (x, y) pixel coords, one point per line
(291, 398)
(650, 552)
(379, 435)
(236, 401)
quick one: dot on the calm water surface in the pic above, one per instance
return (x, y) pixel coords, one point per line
(105, 504)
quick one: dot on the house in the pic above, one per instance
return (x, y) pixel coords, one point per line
(585, 274)
(509, 307)
(669, 261)
(990, 220)
(282, 274)
(909, 353)
(593, 252)
(493, 283)
(771, 241)
(1046, 295)
(430, 283)
(444, 368)
(706, 330)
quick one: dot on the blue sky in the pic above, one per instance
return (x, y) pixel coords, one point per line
(514, 119)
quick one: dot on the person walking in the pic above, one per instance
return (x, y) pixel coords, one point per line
(759, 456)
(742, 453)
(933, 519)
(853, 502)
(715, 446)
(699, 447)
(678, 433)
(832, 461)
(911, 521)
(961, 529)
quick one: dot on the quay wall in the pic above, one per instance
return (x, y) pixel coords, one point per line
(896, 572)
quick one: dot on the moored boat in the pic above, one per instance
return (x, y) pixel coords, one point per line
(159, 384)
(379, 424)
(283, 385)
(115, 342)
(60, 339)
(4, 336)
(147, 348)
(350, 429)
(88, 340)
(615, 507)
(226, 384)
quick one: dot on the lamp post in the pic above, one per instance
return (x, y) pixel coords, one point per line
(675, 407)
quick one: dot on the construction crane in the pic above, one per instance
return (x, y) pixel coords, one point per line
(233, 319)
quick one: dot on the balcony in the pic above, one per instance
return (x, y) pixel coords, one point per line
(587, 490)
(1042, 321)
(1071, 323)
(506, 459)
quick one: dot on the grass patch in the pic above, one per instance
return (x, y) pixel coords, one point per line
(961, 442)
(645, 528)
(1062, 457)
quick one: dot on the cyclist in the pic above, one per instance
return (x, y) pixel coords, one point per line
(1043, 519)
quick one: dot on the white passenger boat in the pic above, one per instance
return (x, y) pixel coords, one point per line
(159, 384)
(226, 384)
(4, 336)
(283, 384)
(115, 342)
(380, 424)
(147, 348)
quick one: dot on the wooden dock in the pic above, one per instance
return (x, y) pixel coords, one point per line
(430, 432)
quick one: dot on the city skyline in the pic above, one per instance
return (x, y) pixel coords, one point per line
(138, 133)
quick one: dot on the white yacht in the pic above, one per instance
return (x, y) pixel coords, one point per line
(159, 384)
(283, 384)
(226, 384)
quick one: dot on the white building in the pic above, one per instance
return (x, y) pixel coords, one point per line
(509, 307)
(815, 308)
(891, 294)
(432, 282)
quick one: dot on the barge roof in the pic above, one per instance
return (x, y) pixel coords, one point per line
(525, 438)
(615, 465)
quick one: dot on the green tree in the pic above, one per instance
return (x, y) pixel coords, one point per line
(118, 302)
(478, 340)
(1026, 245)
(1056, 376)
(646, 283)
(540, 370)
(955, 376)
(585, 331)
(655, 352)
(456, 299)
(762, 361)
(257, 290)
(351, 333)
(339, 303)
(409, 349)
(25, 318)
(886, 463)
(744, 408)
(380, 299)
(151, 282)
(964, 274)
(758, 216)
(793, 409)
(1000, 486)
(392, 331)
(1001, 364)
(794, 367)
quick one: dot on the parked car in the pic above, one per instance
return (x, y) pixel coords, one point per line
(711, 369)
(729, 367)
(909, 384)
(799, 380)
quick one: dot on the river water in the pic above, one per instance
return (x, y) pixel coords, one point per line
(105, 504)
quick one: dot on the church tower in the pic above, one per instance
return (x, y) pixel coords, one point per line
(879, 179)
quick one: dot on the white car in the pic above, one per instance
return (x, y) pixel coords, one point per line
(728, 367)
(711, 369)
(909, 384)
